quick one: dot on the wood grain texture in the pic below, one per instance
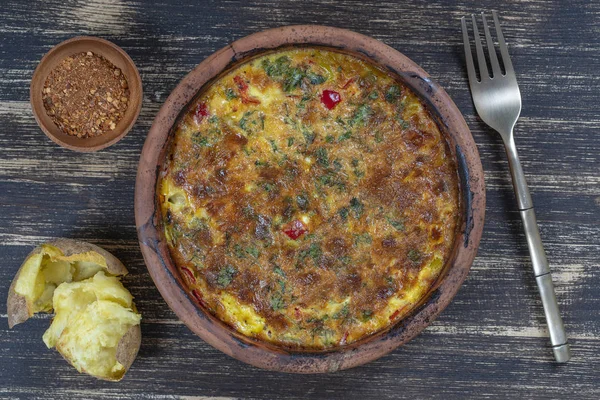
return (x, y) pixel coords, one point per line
(490, 343)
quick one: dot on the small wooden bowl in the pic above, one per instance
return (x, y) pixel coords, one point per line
(165, 274)
(112, 53)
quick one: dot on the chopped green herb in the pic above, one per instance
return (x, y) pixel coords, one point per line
(226, 275)
(342, 313)
(200, 140)
(308, 136)
(315, 79)
(238, 250)
(357, 207)
(277, 302)
(322, 157)
(293, 79)
(273, 145)
(366, 315)
(361, 115)
(230, 94)
(403, 123)
(414, 255)
(329, 138)
(314, 251)
(354, 162)
(253, 251)
(290, 141)
(333, 180)
(278, 68)
(345, 136)
(268, 187)
(305, 98)
(398, 225)
(345, 260)
(279, 271)
(378, 137)
(363, 238)
(373, 95)
(244, 120)
(337, 165)
(343, 213)
(213, 119)
(302, 202)
(392, 94)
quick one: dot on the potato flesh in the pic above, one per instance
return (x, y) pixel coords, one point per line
(91, 338)
(44, 271)
(70, 299)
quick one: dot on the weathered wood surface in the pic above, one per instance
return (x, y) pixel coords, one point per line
(490, 343)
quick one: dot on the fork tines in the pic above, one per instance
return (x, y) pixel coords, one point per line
(481, 59)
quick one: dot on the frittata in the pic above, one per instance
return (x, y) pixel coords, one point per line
(308, 198)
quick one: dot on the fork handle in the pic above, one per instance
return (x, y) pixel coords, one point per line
(541, 269)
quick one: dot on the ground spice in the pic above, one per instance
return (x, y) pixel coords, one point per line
(86, 95)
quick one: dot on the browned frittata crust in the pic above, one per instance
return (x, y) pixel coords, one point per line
(309, 199)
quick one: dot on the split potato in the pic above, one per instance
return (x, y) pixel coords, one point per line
(96, 326)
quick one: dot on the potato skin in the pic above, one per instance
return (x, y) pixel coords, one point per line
(128, 347)
(70, 247)
(16, 304)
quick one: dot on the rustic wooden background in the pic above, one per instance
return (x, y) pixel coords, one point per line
(492, 340)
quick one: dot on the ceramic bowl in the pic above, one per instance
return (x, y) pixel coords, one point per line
(265, 355)
(117, 57)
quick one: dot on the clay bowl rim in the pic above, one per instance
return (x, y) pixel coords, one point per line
(265, 355)
(112, 53)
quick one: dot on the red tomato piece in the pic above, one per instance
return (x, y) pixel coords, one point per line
(241, 84)
(330, 98)
(295, 230)
(243, 87)
(201, 112)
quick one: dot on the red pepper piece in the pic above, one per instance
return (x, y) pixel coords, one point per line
(295, 230)
(198, 297)
(201, 112)
(330, 98)
(189, 274)
(344, 339)
(348, 83)
(297, 313)
(396, 313)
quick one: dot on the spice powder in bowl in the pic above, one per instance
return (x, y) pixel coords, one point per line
(86, 95)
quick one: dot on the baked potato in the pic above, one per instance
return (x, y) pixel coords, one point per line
(96, 326)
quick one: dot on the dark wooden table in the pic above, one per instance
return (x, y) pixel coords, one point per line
(492, 340)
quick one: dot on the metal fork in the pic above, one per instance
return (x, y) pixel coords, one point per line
(498, 102)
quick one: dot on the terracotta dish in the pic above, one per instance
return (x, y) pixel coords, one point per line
(265, 355)
(117, 57)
